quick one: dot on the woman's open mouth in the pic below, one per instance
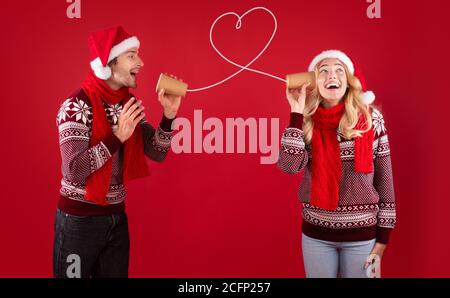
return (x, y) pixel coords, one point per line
(332, 86)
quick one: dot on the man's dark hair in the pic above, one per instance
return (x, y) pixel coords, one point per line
(113, 61)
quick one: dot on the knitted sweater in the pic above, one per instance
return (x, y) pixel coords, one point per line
(366, 208)
(79, 159)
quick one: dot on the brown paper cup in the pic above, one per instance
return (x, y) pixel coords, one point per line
(171, 86)
(296, 80)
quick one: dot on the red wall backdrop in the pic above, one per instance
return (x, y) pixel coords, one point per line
(225, 215)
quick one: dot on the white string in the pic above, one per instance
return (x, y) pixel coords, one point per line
(246, 67)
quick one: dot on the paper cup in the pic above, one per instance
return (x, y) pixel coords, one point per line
(296, 80)
(171, 86)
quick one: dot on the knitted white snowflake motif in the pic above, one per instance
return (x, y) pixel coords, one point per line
(62, 114)
(114, 111)
(81, 111)
(378, 122)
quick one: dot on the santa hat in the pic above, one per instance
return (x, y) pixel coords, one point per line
(107, 44)
(367, 96)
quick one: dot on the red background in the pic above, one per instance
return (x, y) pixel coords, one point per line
(225, 215)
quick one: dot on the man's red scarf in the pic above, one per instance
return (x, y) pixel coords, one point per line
(134, 163)
(326, 159)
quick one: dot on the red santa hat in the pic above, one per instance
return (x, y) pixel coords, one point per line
(107, 44)
(367, 96)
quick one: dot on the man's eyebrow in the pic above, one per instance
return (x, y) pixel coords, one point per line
(132, 51)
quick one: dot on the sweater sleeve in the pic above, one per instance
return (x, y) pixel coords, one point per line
(383, 180)
(78, 158)
(293, 156)
(157, 142)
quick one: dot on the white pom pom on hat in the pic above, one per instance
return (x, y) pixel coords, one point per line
(368, 97)
(107, 44)
(100, 71)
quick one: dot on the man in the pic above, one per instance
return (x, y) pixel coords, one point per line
(104, 138)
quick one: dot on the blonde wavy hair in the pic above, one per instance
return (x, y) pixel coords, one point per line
(354, 106)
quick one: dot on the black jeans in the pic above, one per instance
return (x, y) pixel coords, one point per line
(91, 246)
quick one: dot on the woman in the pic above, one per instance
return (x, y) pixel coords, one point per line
(340, 144)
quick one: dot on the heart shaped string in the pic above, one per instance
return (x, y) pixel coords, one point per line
(242, 67)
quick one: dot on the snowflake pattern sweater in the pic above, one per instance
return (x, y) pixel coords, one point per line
(79, 160)
(366, 208)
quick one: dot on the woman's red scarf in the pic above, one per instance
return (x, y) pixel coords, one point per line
(134, 163)
(326, 159)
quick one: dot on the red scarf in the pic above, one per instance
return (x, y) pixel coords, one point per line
(134, 163)
(326, 159)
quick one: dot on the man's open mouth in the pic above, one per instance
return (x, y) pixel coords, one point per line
(133, 73)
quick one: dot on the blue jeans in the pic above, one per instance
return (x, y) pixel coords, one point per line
(327, 258)
(91, 246)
